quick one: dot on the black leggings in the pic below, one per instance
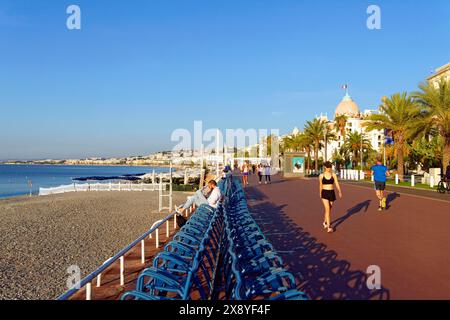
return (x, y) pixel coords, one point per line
(267, 177)
(260, 177)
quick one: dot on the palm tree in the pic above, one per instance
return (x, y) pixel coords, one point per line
(340, 157)
(355, 143)
(339, 123)
(329, 135)
(316, 130)
(398, 113)
(435, 113)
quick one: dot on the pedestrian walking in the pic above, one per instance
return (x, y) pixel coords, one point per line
(327, 181)
(267, 172)
(380, 173)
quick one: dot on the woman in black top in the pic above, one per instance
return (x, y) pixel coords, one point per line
(327, 181)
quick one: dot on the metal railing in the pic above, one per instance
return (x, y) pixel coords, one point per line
(87, 281)
(85, 187)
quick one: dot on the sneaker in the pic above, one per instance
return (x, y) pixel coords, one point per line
(380, 208)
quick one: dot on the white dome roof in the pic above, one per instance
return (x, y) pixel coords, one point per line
(347, 107)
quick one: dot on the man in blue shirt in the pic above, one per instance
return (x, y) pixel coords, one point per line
(380, 173)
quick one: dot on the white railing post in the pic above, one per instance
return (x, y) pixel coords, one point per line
(372, 177)
(99, 280)
(160, 192)
(431, 182)
(174, 221)
(396, 178)
(122, 270)
(157, 238)
(413, 181)
(167, 229)
(88, 291)
(143, 251)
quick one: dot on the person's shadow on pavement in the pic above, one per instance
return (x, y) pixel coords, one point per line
(352, 211)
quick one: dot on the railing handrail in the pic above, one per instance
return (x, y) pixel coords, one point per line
(111, 260)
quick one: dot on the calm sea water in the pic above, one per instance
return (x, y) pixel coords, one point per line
(14, 178)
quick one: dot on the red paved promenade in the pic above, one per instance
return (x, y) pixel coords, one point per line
(410, 242)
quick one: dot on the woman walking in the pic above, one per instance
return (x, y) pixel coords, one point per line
(327, 181)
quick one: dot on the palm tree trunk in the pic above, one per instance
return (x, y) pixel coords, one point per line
(400, 161)
(316, 157)
(309, 159)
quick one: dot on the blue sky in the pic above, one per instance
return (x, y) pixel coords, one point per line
(139, 69)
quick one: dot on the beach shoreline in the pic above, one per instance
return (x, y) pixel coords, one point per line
(43, 236)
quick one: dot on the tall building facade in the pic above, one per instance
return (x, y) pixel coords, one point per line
(355, 120)
(440, 73)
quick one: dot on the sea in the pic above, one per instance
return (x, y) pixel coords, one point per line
(18, 180)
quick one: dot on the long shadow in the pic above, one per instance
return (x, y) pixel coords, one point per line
(391, 198)
(352, 211)
(319, 273)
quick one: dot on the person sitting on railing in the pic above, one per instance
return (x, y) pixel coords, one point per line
(209, 195)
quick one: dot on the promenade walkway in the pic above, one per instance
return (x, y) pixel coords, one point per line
(410, 241)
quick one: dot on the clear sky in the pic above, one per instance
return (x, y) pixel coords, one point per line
(139, 69)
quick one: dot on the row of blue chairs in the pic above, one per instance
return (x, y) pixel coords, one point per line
(251, 268)
(218, 254)
(186, 267)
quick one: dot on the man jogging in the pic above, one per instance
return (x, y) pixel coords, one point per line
(380, 172)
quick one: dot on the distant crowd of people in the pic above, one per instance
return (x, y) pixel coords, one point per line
(263, 170)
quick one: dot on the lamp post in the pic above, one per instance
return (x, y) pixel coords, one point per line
(362, 153)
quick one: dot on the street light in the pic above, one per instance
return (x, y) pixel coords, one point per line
(361, 150)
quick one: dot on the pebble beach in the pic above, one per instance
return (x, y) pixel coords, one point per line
(42, 236)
